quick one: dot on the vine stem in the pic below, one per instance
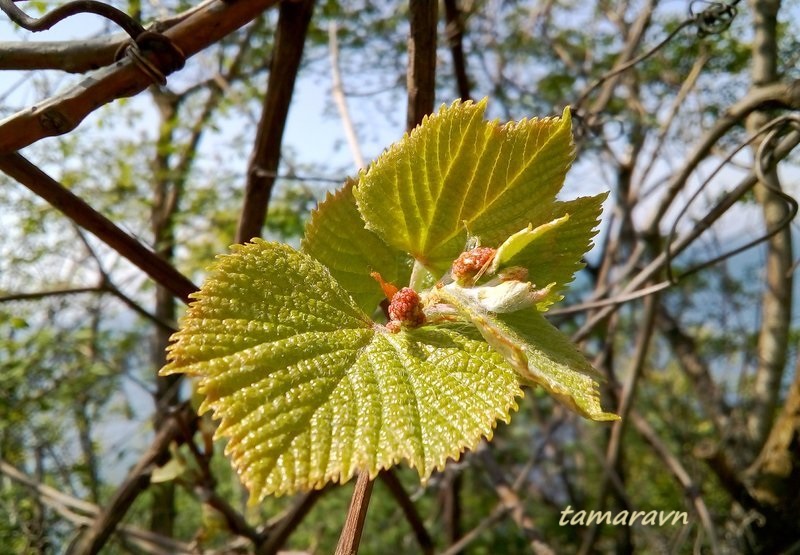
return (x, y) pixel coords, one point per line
(356, 515)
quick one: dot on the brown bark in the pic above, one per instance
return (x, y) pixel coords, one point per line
(290, 38)
(356, 516)
(421, 77)
(78, 56)
(65, 111)
(276, 536)
(69, 56)
(450, 500)
(773, 479)
(390, 480)
(455, 39)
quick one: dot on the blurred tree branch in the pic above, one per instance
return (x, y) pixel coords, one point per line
(290, 40)
(421, 76)
(92, 540)
(776, 301)
(65, 111)
(77, 56)
(454, 31)
(16, 166)
(81, 513)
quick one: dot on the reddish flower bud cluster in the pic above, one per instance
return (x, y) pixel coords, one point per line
(471, 263)
(405, 309)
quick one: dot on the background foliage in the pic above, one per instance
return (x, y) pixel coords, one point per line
(703, 370)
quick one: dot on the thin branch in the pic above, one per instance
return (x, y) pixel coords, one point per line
(786, 145)
(75, 208)
(95, 537)
(339, 98)
(139, 309)
(624, 61)
(454, 31)
(64, 112)
(215, 95)
(690, 488)
(450, 501)
(290, 38)
(497, 514)
(613, 301)
(624, 66)
(205, 486)
(107, 285)
(302, 177)
(421, 76)
(46, 492)
(273, 538)
(390, 480)
(614, 447)
(81, 513)
(677, 103)
(511, 501)
(234, 520)
(38, 295)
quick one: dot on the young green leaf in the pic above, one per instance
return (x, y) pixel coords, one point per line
(457, 174)
(540, 353)
(519, 241)
(309, 390)
(336, 236)
(551, 252)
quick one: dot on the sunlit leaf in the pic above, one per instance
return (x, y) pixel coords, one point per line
(309, 390)
(174, 468)
(337, 237)
(457, 174)
(540, 353)
(551, 252)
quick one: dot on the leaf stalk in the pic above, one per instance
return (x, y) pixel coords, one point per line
(356, 516)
